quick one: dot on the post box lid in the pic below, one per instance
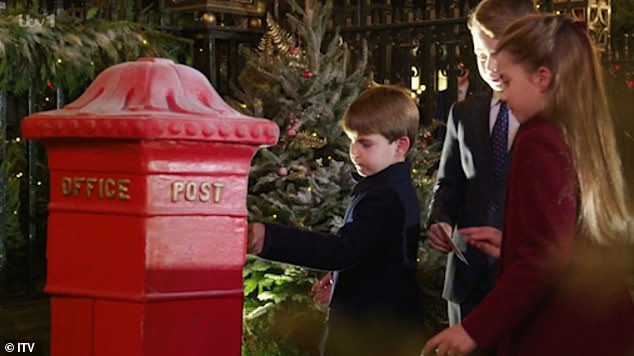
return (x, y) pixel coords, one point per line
(151, 98)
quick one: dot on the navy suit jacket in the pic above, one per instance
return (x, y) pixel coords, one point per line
(466, 195)
(374, 252)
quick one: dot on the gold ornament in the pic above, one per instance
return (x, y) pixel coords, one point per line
(275, 39)
(255, 22)
(306, 139)
(208, 18)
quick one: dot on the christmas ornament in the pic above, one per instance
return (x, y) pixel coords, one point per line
(282, 172)
(291, 133)
(307, 74)
(208, 18)
(293, 51)
(309, 140)
(630, 83)
(275, 39)
(255, 22)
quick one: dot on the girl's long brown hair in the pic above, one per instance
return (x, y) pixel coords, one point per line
(577, 101)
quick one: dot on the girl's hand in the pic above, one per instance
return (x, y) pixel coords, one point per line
(453, 341)
(488, 239)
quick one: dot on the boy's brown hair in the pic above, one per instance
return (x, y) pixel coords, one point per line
(492, 16)
(388, 110)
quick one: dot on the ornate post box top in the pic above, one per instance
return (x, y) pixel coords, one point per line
(152, 98)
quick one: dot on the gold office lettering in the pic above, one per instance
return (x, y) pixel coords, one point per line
(105, 188)
(196, 191)
(66, 186)
(122, 189)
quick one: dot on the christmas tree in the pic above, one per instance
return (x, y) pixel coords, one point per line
(304, 84)
(304, 78)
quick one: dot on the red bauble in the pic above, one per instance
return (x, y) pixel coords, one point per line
(630, 83)
(293, 51)
(282, 172)
(307, 74)
(291, 132)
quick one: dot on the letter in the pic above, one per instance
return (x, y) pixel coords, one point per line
(66, 186)
(205, 192)
(217, 191)
(77, 182)
(100, 181)
(90, 186)
(122, 184)
(177, 189)
(110, 188)
(190, 191)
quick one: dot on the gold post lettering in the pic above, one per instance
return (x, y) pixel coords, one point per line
(190, 191)
(205, 192)
(217, 191)
(177, 188)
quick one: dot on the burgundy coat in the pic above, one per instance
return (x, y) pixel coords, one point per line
(555, 294)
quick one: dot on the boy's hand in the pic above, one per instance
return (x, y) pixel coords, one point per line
(321, 290)
(485, 238)
(436, 237)
(255, 238)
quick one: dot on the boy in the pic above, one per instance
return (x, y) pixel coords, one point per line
(471, 188)
(375, 304)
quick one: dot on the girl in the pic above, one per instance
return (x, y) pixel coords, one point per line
(560, 290)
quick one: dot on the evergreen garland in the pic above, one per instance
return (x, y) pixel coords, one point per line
(69, 53)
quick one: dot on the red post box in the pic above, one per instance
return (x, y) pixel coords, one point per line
(147, 228)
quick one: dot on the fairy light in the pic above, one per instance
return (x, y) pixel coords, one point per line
(59, 61)
(19, 175)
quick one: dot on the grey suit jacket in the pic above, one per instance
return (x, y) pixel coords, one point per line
(466, 195)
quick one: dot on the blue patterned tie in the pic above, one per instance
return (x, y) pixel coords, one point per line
(499, 141)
